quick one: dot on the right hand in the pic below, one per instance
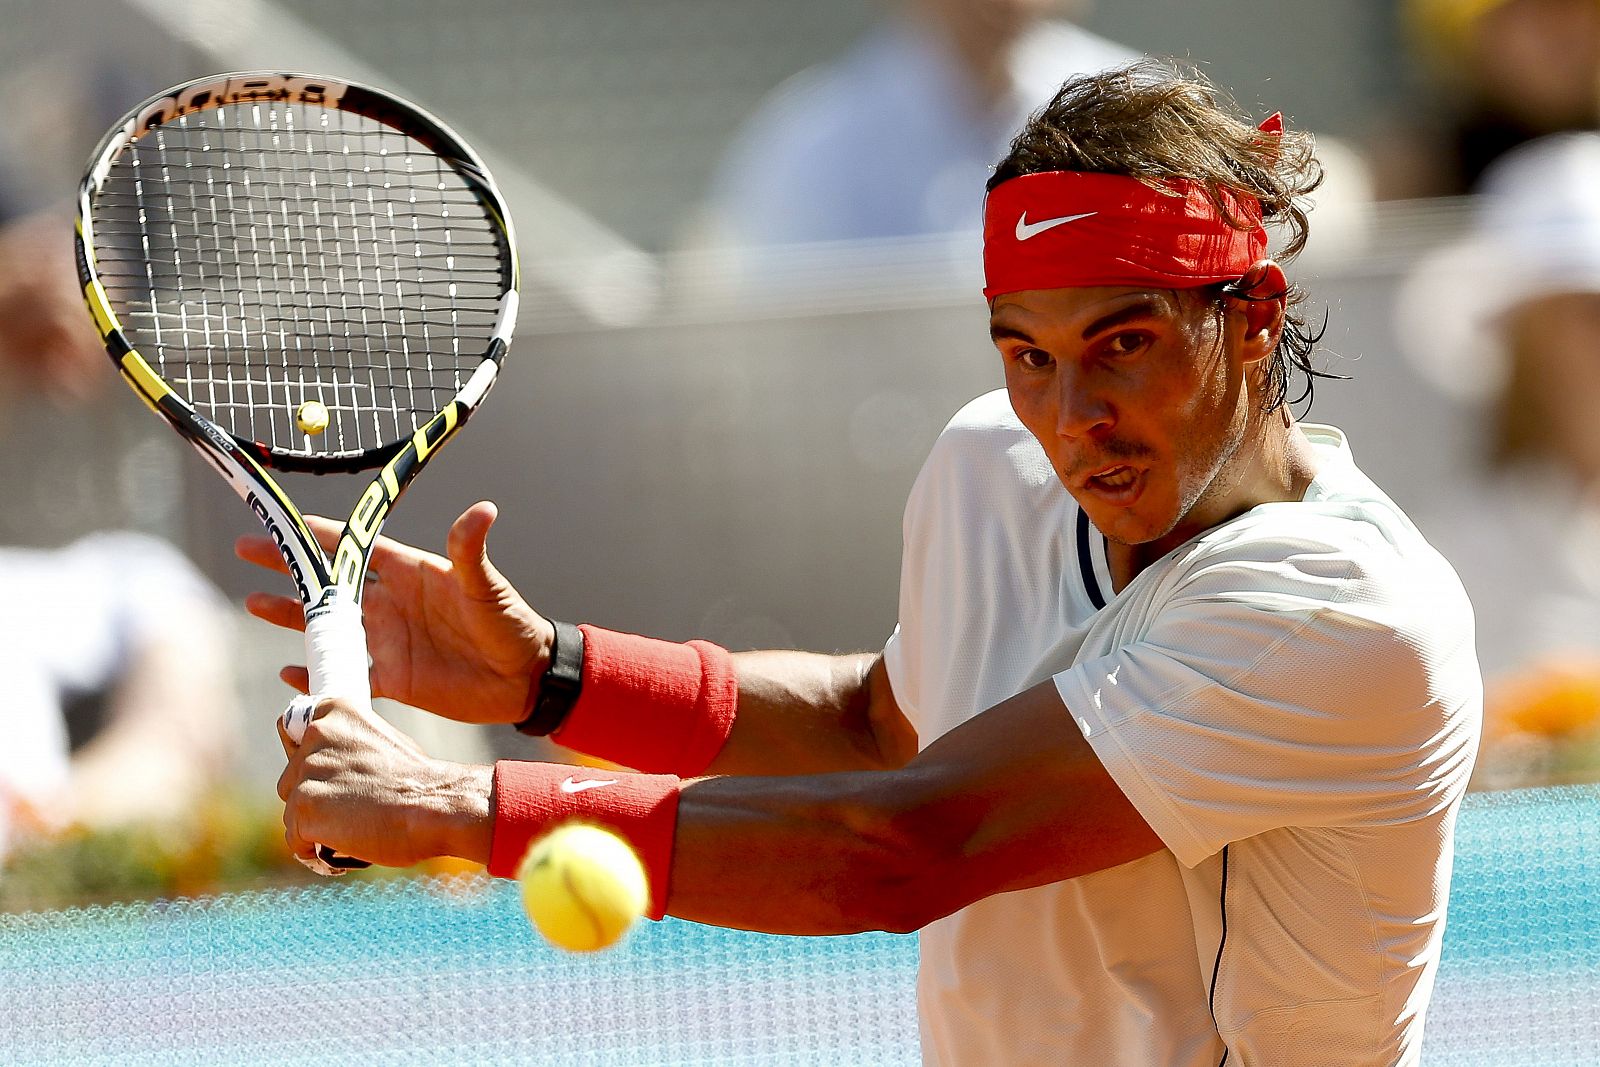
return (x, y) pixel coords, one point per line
(448, 635)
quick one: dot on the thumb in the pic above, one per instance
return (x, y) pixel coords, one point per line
(468, 549)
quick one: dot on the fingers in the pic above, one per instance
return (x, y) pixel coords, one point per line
(339, 785)
(468, 549)
(281, 611)
(263, 551)
(260, 550)
(301, 849)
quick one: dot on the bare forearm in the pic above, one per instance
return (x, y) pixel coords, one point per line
(1012, 799)
(795, 856)
(806, 713)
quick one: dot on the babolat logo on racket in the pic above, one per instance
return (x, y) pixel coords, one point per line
(349, 559)
(231, 90)
(276, 533)
(216, 436)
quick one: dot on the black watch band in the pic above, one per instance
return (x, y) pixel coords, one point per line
(561, 684)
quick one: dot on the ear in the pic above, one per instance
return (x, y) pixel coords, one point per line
(1262, 297)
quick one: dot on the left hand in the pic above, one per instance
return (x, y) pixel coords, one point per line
(364, 789)
(446, 634)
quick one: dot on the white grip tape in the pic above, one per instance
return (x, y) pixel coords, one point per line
(297, 716)
(336, 650)
(318, 865)
(336, 658)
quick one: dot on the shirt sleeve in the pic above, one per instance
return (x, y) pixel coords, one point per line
(1275, 688)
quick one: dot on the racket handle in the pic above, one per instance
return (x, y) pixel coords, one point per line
(336, 650)
(336, 659)
(327, 862)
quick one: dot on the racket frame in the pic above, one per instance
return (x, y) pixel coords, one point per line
(329, 587)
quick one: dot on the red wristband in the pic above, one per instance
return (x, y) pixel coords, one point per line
(531, 799)
(654, 705)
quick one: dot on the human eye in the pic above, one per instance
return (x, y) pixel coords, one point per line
(1126, 343)
(1032, 359)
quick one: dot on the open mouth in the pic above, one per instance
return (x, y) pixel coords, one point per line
(1119, 485)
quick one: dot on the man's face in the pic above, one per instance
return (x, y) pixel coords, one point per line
(1137, 396)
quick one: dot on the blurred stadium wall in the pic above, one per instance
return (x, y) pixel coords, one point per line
(673, 453)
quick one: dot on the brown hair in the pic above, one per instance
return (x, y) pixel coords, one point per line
(1146, 121)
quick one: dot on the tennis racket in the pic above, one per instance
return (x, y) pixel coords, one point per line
(301, 274)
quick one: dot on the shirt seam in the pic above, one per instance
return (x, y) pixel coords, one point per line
(1299, 1005)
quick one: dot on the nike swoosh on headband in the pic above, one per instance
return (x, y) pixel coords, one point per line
(1026, 229)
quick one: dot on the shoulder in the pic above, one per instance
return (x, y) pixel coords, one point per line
(985, 438)
(1349, 552)
(988, 413)
(1345, 530)
(1342, 596)
(986, 469)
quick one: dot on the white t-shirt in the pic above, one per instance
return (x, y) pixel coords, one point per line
(1292, 702)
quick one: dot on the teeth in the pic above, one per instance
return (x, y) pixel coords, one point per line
(1117, 479)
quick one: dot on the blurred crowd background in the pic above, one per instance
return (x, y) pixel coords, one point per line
(750, 241)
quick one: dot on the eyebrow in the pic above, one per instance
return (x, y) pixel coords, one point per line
(1148, 307)
(997, 333)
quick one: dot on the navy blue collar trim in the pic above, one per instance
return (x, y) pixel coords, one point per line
(1091, 584)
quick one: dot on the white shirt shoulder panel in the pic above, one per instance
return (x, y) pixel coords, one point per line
(992, 545)
(1308, 664)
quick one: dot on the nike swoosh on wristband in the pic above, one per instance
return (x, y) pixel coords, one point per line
(572, 785)
(1026, 229)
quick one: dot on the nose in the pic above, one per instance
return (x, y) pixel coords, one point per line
(1082, 409)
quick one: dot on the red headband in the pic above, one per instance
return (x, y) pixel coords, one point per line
(1058, 229)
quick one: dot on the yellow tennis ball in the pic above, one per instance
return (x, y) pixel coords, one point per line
(583, 887)
(313, 416)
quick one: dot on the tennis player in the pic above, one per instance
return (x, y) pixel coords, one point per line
(1165, 754)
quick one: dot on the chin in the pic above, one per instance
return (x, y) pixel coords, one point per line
(1127, 527)
(1149, 518)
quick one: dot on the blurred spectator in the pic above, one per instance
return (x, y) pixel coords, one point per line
(896, 138)
(1506, 72)
(47, 345)
(119, 702)
(1509, 321)
(119, 695)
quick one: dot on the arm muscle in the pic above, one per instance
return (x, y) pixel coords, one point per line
(1011, 799)
(803, 713)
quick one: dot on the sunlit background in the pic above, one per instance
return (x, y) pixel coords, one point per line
(699, 436)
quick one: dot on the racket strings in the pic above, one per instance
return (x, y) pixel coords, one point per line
(262, 256)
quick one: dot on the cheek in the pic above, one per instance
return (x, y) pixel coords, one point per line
(1033, 403)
